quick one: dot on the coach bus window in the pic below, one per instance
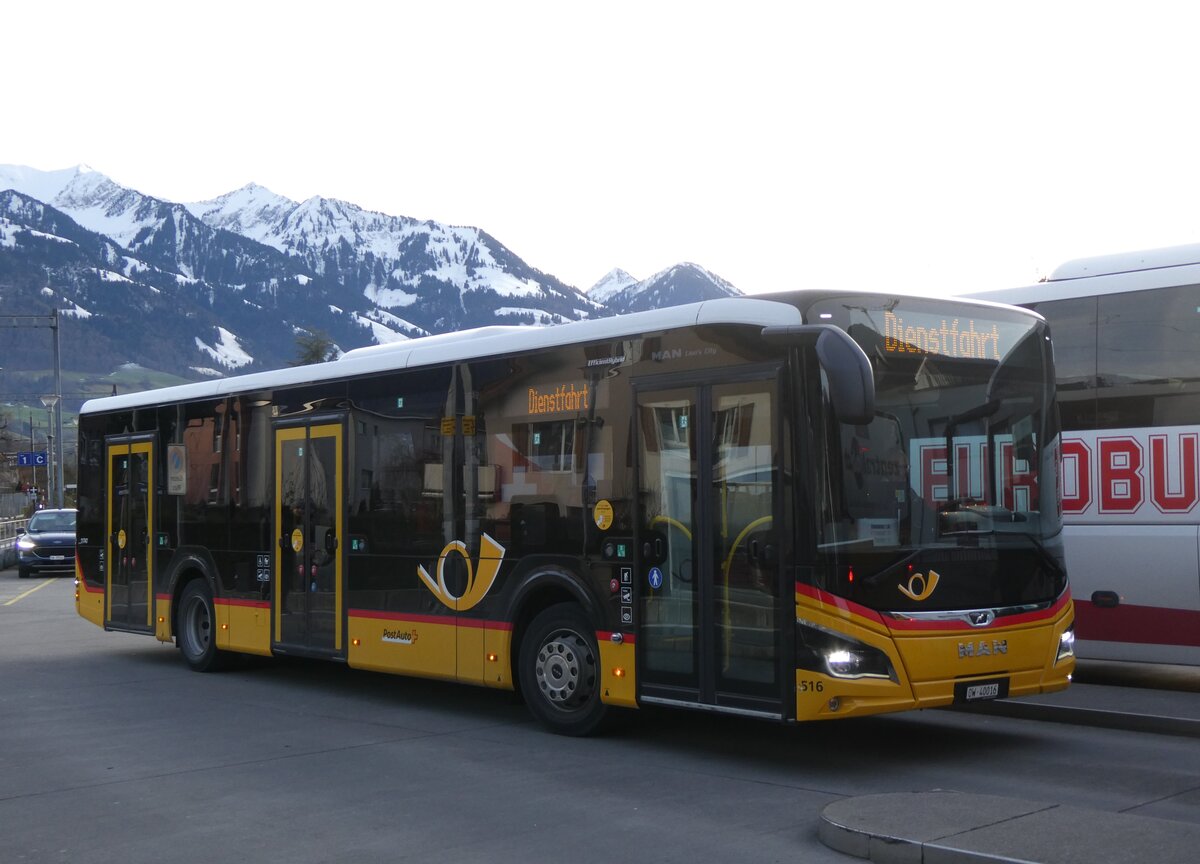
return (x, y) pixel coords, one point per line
(1149, 358)
(1073, 329)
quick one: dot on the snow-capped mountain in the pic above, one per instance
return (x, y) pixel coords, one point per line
(613, 283)
(116, 306)
(683, 283)
(225, 285)
(398, 263)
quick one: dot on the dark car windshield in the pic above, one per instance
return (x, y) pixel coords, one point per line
(52, 522)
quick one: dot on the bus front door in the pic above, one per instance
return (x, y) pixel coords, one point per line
(712, 601)
(129, 581)
(309, 504)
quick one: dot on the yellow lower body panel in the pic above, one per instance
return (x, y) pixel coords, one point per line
(244, 627)
(162, 619)
(618, 678)
(89, 601)
(475, 653)
(404, 646)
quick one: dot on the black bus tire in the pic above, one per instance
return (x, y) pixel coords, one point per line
(559, 671)
(197, 633)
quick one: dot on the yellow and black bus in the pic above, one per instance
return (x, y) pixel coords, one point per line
(805, 505)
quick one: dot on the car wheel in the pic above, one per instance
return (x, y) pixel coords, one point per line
(22, 572)
(559, 671)
(196, 636)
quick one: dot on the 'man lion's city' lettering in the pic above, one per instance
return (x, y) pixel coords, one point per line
(982, 649)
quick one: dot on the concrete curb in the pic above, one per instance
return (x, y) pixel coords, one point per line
(958, 828)
(1094, 717)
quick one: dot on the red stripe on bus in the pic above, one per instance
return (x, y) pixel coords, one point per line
(838, 602)
(1007, 621)
(481, 624)
(606, 636)
(1153, 625)
(236, 601)
(913, 625)
(430, 619)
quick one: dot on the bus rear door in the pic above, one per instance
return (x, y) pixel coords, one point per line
(129, 548)
(309, 517)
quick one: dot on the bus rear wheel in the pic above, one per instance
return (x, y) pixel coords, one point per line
(196, 636)
(559, 671)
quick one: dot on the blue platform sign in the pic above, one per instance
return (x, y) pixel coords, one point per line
(36, 459)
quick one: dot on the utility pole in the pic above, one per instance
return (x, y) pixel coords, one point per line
(54, 492)
(54, 480)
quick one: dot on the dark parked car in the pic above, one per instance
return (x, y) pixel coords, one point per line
(48, 545)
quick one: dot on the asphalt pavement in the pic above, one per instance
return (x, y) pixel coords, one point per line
(944, 827)
(952, 827)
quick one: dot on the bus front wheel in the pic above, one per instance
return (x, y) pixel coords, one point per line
(196, 636)
(559, 671)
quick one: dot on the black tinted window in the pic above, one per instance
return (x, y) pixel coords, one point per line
(1148, 358)
(1073, 330)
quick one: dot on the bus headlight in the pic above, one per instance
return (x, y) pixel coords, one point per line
(819, 649)
(1066, 644)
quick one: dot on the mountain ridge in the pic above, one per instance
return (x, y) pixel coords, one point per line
(246, 271)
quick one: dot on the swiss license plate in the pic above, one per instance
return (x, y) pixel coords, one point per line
(980, 691)
(58, 557)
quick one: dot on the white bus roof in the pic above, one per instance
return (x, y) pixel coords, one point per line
(466, 345)
(1109, 274)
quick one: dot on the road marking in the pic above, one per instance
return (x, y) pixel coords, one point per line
(27, 593)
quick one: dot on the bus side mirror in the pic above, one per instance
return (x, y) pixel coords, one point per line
(851, 382)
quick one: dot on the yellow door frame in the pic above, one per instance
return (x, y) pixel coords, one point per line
(299, 433)
(128, 449)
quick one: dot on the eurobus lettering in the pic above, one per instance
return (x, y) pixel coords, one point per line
(737, 506)
(1133, 473)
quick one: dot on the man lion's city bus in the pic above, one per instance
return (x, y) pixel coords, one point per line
(806, 506)
(1127, 338)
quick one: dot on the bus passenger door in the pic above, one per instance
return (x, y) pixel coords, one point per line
(709, 578)
(309, 520)
(129, 583)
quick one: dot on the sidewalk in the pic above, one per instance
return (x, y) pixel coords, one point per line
(942, 827)
(959, 828)
(1137, 697)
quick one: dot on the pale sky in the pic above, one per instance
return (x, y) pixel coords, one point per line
(944, 146)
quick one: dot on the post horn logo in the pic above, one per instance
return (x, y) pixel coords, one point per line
(491, 554)
(919, 587)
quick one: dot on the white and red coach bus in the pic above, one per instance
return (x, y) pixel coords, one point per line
(1126, 332)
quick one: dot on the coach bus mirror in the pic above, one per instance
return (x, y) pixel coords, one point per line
(851, 381)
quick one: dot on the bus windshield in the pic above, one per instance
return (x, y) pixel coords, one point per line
(936, 503)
